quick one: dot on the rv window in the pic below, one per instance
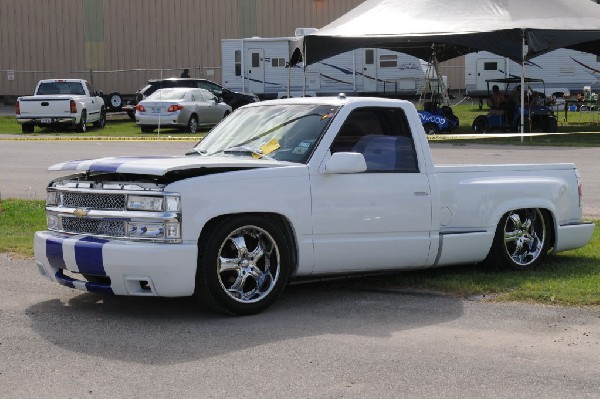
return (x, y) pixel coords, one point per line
(278, 62)
(490, 66)
(369, 57)
(255, 60)
(388, 61)
(238, 63)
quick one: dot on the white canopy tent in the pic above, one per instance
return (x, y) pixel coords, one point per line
(516, 29)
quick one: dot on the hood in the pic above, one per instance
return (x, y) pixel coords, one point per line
(159, 166)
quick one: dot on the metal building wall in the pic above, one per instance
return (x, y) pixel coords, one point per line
(120, 44)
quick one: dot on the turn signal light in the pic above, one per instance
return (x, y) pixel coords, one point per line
(73, 106)
(18, 108)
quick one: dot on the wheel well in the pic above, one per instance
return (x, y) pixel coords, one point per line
(552, 226)
(194, 115)
(280, 220)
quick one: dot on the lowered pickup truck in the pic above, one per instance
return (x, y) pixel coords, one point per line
(296, 188)
(61, 102)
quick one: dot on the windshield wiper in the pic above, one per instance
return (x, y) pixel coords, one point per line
(247, 150)
(195, 151)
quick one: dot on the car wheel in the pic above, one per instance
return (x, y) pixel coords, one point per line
(147, 129)
(480, 124)
(243, 265)
(81, 127)
(192, 126)
(526, 125)
(115, 101)
(431, 128)
(551, 125)
(521, 242)
(27, 128)
(100, 123)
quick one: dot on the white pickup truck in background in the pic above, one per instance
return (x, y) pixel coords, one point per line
(296, 188)
(61, 102)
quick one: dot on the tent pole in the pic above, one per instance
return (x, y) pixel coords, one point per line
(304, 71)
(522, 119)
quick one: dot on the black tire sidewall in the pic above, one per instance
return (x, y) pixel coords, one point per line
(208, 287)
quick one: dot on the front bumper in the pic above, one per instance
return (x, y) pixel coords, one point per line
(117, 266)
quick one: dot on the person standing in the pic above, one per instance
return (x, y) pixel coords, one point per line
(185, 73)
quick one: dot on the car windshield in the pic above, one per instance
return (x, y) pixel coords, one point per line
(167, 94)
(284, 132)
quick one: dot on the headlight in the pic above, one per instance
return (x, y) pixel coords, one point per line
(51, 198)
(169, 203)
(53, 222)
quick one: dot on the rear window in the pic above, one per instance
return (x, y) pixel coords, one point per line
(167, 94)
(48, 88)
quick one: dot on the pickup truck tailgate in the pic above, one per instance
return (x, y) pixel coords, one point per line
(40, 107)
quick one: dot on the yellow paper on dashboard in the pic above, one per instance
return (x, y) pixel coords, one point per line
(268, 148)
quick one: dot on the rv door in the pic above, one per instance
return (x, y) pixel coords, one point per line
(256, 71)
(370, 71)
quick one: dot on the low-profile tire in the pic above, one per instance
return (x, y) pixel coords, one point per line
(431, 128)
(82, 125)
(100, 123)
(192, 126)
(521, 242)
(27, 128)
(243, 265)
(147, 129)
(480, 124)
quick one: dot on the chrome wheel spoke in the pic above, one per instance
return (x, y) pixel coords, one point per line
(524, 234)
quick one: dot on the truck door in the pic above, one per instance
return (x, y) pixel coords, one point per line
(256, 71)
(378, 219)
(370, 71)
(489, 68)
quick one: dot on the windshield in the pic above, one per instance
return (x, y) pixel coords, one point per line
(167, 94)
(284, 132)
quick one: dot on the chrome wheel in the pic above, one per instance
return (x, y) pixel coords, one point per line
(192, 125)
(524, 236)
(249, 264)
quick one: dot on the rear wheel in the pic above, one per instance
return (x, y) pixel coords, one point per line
(147, 129)
(551, 125)
(431, 128)
(480, 124)
(27, 128)
(522, 240)
(192, 126)
(243, 265)
(82, 127)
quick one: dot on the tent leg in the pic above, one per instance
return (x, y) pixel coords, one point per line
(522, 119)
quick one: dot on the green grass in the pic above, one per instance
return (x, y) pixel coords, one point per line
(568, 278)
(122, 127)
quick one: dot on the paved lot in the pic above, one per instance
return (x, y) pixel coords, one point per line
(344, 339)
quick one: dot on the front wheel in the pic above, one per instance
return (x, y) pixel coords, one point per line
(431, 128)
(551, 125)
(100, 123)
(480, 124)
(522, 240)
(27, 128)
(243, 265)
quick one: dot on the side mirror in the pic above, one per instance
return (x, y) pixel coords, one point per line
(346, 162)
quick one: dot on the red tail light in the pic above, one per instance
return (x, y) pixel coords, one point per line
(18, 108)
(73, 106)
(174, 108)
(140, 108)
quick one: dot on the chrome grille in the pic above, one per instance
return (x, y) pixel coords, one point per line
(94, 201)
(114, 228)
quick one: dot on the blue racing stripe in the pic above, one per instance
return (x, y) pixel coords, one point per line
(107, 166)
(54, 253)
(64, 280)
(88, 256)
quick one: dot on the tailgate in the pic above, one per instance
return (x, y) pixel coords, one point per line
(45, 106)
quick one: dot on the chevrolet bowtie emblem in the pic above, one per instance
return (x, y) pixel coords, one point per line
(80, 212)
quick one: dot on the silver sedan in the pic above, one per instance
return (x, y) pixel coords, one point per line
(182, 108)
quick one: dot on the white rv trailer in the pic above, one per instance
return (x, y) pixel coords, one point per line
(261, 66)
(563, 70)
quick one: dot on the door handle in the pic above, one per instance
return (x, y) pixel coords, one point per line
(421, 193)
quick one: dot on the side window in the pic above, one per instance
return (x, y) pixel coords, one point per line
(90, 89)
(238, 62)
(382, 135)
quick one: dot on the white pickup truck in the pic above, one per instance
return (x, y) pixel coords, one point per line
(295, 188)
(60, 102)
